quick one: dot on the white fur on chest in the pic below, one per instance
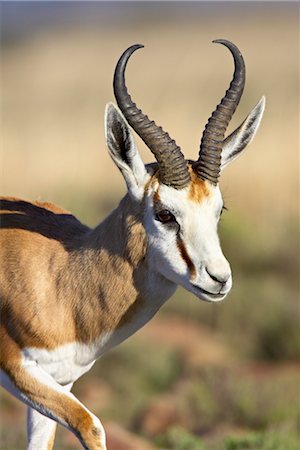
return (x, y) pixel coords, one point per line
(65, 364)
(68, 362)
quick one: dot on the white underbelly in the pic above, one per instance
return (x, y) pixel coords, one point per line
(68, 362)
(65, 364)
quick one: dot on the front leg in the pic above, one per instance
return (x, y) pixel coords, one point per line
(33, 386)
(40, 429)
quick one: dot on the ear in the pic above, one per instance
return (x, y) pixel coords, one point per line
(243, 135)
(123, 151)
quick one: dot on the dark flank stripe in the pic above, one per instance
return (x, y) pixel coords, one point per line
(185, 256)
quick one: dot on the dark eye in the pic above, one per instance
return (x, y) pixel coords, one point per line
(165, 216)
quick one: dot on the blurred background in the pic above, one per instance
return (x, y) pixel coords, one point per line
(214, 377)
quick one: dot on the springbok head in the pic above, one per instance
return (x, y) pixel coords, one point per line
(180, 200)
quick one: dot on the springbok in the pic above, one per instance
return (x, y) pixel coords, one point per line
(70, 293)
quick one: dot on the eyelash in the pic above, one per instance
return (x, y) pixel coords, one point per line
(224, 208)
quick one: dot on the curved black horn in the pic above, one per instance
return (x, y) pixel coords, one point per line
(209, 163)
(172, 165)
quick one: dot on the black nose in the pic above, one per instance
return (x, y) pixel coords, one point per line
(221, 279)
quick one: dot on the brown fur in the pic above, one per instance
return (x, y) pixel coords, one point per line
(61, 406)
(198, 189)
(156, 197)
(185, 256)
(56, 267)
(53, 266)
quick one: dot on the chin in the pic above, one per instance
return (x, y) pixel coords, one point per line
(207, 296)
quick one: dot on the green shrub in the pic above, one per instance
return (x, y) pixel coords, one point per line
(177, 438)
(262, 441)
(200, 404)
(251, 441)
(254, 397)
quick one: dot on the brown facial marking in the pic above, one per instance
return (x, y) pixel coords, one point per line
(185, 256)
(199, 189)
(156, 197)
(157, 204)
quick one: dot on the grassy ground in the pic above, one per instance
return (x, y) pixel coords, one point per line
(222, 377)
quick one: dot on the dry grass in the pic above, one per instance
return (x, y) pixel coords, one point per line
(57, 81)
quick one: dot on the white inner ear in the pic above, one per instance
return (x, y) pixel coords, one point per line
(237, 141)
(123, 150)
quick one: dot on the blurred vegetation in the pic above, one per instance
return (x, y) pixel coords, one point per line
(227, 376)
(261, 318)
(253, 398)
(155, 371)
(262, 441)
(177, 438)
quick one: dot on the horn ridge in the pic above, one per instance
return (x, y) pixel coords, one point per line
(214, 131)
(173, 170)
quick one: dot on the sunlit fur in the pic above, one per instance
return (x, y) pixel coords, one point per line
(70, 293)
(197, 210)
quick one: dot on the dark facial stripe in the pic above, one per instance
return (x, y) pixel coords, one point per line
(185, 256)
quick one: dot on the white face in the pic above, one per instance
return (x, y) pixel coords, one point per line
(183, 242)
(181, 224)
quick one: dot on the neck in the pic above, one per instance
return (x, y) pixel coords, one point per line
(115, 286)
(121, 235)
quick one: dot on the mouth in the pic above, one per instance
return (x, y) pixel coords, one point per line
(206, 295)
